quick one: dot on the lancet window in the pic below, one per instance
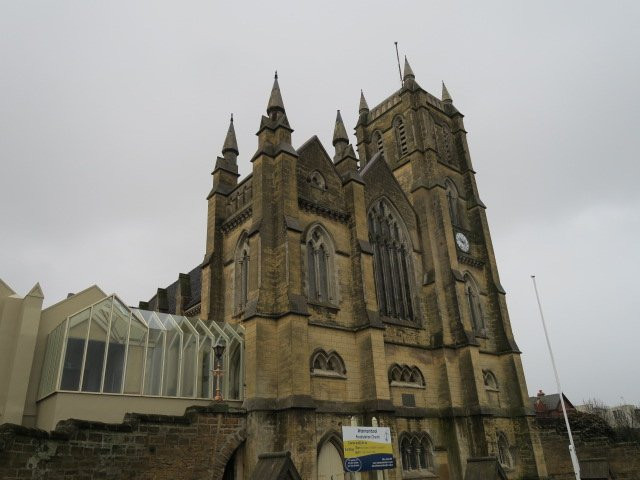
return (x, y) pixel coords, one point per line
(392, 261)
(405, 375)
(327, 363)
(321, 285)
(473, 300)
(504, 455)
(453, 202)
(401, 136)
(377, 140)
(416, 451)
(242, 260)
(490, 381)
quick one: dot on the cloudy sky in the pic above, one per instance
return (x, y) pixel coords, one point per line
(112, 114)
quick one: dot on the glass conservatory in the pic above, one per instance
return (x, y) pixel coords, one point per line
(110, 348)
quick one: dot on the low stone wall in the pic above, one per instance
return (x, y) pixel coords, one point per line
(196, 445)
(623, 457)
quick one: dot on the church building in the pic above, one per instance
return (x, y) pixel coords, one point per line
(350, 285)
(365, 282)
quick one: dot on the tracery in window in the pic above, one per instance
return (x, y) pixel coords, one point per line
(490, 381)
(473, 300)
(327, 363)
(316, 180)
(453, 202)
(400, 375)
(377, 140)
(321, 283)
(242, 259)
(401, 136)
(392, 261)
(504, 455)
(416, 451)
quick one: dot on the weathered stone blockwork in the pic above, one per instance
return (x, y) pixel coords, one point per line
(623, 458)
(196, 445)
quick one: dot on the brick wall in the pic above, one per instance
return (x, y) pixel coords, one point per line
(196, 445)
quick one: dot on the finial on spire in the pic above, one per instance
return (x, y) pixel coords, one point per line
(446, 97)
(339, 132)
(408, 73)
(363, 103)
(230, 144)
(275, 100)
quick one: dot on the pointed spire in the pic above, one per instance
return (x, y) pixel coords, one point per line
(446, 97)
(275, 100)
(363, 103)
(230, 142)
(339, 132)
(408, 73)
(36, 291)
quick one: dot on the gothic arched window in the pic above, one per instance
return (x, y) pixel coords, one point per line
(377, 140)
(473, 300)
(392, 261)
(321, 285)
(452, 201)
(242, 259)
(327, 363)
(504, 455)
(401, 136)
(490, 381)
(416, 451)
(404, 375)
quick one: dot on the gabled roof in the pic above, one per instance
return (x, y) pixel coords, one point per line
(484, 468)
(374, 174)
(96, 288)
(275, 466)
(6, 289)
(550, 402)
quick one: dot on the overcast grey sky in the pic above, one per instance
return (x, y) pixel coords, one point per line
(112, 114)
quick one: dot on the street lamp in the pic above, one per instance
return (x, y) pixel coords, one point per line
(218, 349)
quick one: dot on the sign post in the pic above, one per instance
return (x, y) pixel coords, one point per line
(367, 448)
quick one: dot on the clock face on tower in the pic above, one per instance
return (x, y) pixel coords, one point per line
(462, 242)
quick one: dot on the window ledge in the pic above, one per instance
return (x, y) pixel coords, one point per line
(400, 322)
(330, 306)
(395, 383)
(328, 374)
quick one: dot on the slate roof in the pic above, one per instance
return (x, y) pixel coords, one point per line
(484, 468)
(551, 402)
(195, 282)
(275, 466)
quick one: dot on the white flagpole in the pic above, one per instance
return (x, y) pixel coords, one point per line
(572, 447)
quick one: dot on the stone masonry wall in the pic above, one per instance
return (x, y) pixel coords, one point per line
(194, 446)
(623, 458)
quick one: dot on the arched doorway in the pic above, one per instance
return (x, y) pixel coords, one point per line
(234, 470)
(330, 461)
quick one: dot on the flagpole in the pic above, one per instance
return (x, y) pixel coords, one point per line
(572, 447)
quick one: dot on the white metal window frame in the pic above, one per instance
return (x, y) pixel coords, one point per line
(153, 321)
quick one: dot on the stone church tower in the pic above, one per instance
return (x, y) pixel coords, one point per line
(368, 291)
